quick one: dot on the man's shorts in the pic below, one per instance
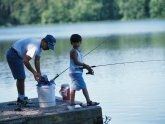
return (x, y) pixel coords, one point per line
(16, 64)
(78, 82)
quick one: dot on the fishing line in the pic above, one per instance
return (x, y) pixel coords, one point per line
(130, 62)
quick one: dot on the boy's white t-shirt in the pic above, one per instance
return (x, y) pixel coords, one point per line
(28, 46)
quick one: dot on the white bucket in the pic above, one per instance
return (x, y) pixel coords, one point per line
(46, 95)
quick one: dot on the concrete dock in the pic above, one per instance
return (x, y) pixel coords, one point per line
(59, 114)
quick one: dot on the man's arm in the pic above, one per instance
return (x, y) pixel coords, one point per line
(27, 63)
(30, 68)
(37, 64)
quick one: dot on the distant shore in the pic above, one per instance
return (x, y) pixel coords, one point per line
(87, 29)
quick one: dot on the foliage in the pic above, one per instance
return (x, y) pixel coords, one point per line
(17, 12)
(157, 8)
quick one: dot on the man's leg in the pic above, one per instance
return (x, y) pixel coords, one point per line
(21, 86)
(17, 68)
(86, 94)
(72, 97)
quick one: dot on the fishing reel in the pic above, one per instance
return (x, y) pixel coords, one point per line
(90, 71)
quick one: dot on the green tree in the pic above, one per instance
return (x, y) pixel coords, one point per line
(110, 10)
(53, 13)
(132, 9)
(64, 11)
(157, 8)
(5, 11)
(88, 10)
(26, 12)
(56, 11)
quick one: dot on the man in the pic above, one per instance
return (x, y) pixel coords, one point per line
(20, 54)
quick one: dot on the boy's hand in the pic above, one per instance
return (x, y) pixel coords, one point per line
(90, 70)
(86, 66)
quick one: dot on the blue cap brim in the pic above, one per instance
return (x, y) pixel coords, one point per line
(51, 46)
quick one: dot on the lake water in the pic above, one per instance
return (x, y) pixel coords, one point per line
(129, 93)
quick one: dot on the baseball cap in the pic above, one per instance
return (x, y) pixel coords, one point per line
(51, 41)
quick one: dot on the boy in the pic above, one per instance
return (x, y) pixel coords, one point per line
(76, 73)
(20, 53)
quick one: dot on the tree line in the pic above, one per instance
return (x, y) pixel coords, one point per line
(20, 12)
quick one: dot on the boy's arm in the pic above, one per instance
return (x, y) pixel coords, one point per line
(74, 56)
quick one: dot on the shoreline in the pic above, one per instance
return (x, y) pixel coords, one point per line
(87, 29)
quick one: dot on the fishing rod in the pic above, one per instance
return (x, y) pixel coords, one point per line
(83, 57)
(121, 63)
(130, 62)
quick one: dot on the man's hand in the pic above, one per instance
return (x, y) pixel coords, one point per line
(37, 76)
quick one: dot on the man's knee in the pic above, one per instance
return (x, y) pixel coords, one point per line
(20, 80)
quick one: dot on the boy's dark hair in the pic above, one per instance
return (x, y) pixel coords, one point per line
(75, 38)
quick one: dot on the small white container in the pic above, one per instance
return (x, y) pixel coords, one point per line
(46, 95)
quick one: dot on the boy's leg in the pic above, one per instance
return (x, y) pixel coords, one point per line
(72, 97)
(89, 102)
(86, 94)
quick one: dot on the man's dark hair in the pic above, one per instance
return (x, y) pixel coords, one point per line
(75, 38)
